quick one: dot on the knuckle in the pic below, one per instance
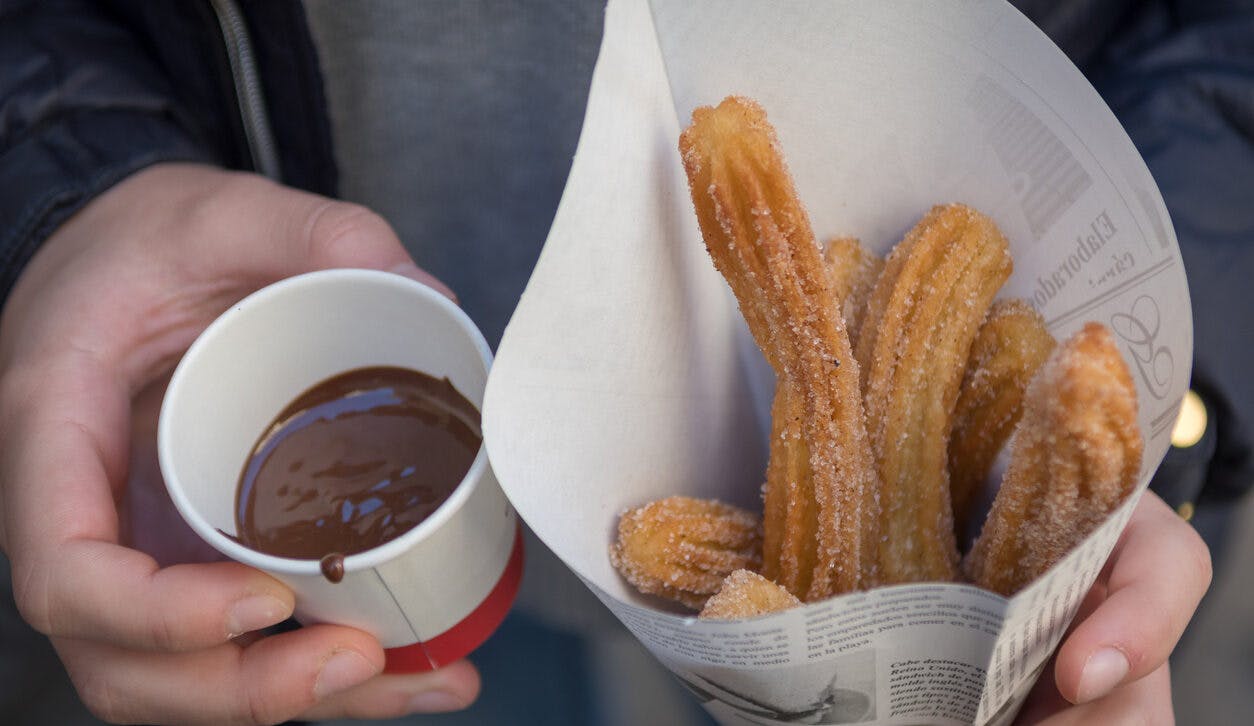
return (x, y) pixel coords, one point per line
(1199, 560)
(163, 632)
(259, 706)
(257, 712)
(99, 697)
(30, 594)
(1160, 630)
(1192, 555)
(202, 206)
(337, 230)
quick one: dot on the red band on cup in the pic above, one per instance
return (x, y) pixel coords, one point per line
(470, 632)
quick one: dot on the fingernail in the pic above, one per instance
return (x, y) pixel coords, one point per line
(1104, 670)
(345, 669)
(414, 272)
(254, 613)
(435, 702)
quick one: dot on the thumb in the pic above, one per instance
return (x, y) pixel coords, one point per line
(341, 234)
(414, 272)
(265, 231)
(1157, 574)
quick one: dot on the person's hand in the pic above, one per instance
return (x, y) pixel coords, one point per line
(98, 319)
(1112, 666)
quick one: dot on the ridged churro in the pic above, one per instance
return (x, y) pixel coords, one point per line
(759, 236)
(922, 317)
(898, 382)
(747, 594)
(682, 548)
(852, 270)
(1074, 457)
(790, 511)
(1011, 345)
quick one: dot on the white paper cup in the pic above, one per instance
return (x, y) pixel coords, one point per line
(434, 593)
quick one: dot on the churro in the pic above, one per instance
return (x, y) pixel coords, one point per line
(1010, 347)
(759, 236)
(790, 511)
(922, 317)
(682, 548)
(898, 381)
(746, 594)
(852, 270)
(1074, 457)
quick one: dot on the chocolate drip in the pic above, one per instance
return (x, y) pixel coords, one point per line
(332, 566)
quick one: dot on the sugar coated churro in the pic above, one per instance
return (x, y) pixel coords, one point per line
(682, 548)
(898, 382)
(747, 594)
(921, 319)
(759, 236)
(1075, 456)
(1010, 347)
(852, 270)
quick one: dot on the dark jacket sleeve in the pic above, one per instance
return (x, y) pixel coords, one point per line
(1183, 87)
(81, 107)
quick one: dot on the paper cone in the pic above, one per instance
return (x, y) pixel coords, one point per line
(627, 375)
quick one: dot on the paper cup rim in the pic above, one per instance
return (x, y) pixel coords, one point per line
(370, 558)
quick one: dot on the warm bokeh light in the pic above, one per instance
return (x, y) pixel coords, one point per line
(1191, 423)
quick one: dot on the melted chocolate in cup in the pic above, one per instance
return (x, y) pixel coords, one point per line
(354, 462)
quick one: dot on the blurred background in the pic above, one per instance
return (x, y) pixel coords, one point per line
(1213, 667)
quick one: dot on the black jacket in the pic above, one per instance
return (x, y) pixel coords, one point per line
(93, 91)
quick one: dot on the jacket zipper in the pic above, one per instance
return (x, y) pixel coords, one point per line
(248, 92)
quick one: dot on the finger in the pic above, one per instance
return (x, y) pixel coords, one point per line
(61, 449)
(270, 681)
(1044, 698)
(1145, 702)
(1157, 575)
(110, 593)
(414, 272)
(253, 226)
(149, 520)
(1043, 701)
(451, 688)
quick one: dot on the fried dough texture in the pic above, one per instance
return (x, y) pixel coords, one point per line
(820, 493)
(1075, 457)
(1010, 347)
(747, 594)
(852, 270)
(922, 317)
(682, 548)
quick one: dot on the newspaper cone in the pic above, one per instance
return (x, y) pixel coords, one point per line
(626, 373)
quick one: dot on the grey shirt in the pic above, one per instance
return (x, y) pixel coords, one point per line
(457, 121)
